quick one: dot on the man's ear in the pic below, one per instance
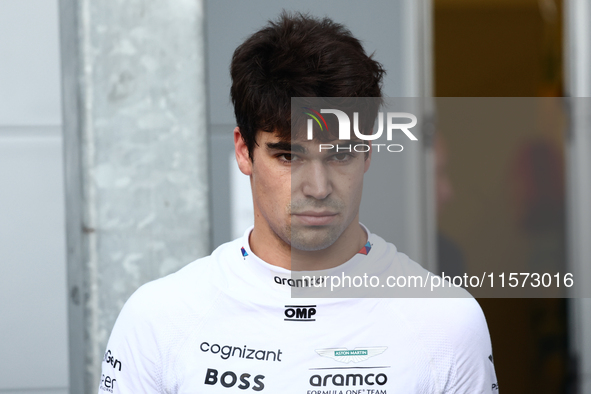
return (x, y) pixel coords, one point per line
(241, 150)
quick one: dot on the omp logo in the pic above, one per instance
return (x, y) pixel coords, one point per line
(352, 379)
(345, 124)
(356, 355)
(300, 312)
(230, 379)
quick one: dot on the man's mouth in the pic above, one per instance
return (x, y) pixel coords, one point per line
(315, 218)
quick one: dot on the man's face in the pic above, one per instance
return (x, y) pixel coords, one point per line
(307, 198)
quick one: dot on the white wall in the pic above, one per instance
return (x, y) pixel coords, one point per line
(33, 315)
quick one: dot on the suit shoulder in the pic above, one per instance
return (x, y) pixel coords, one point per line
(188, 291)
(453, 335)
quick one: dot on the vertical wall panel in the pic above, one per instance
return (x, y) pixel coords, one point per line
(577, 58)
(29, 66)
(33, 309)
(136, 158)
(33, 323)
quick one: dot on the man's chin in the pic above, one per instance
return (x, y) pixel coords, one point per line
(313, 238)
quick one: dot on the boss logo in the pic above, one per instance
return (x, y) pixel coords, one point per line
(300, 312)
(230, 379)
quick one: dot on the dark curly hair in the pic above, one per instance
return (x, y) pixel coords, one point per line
(296, 56)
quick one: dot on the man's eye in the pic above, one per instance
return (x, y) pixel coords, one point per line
(287, 157)
(341, 157)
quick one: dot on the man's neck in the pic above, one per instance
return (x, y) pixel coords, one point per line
(268, 246)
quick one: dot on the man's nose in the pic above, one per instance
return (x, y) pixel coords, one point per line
(316, 181)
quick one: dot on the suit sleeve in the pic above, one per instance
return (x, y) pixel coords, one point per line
(474, 362)
(131, 363)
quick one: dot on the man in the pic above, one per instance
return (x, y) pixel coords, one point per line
(227, 322)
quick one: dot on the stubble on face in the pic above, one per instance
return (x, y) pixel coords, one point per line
(289, 221)
(313, 238)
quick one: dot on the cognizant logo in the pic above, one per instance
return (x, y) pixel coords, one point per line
(345, 129)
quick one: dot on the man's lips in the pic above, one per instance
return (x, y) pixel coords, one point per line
(315, 213)
(315, 218)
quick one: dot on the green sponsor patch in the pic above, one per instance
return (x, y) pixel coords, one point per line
(355, 352)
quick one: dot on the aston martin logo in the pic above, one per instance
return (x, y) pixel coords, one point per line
(351, 356)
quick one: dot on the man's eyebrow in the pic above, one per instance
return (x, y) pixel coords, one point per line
(286, 146)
